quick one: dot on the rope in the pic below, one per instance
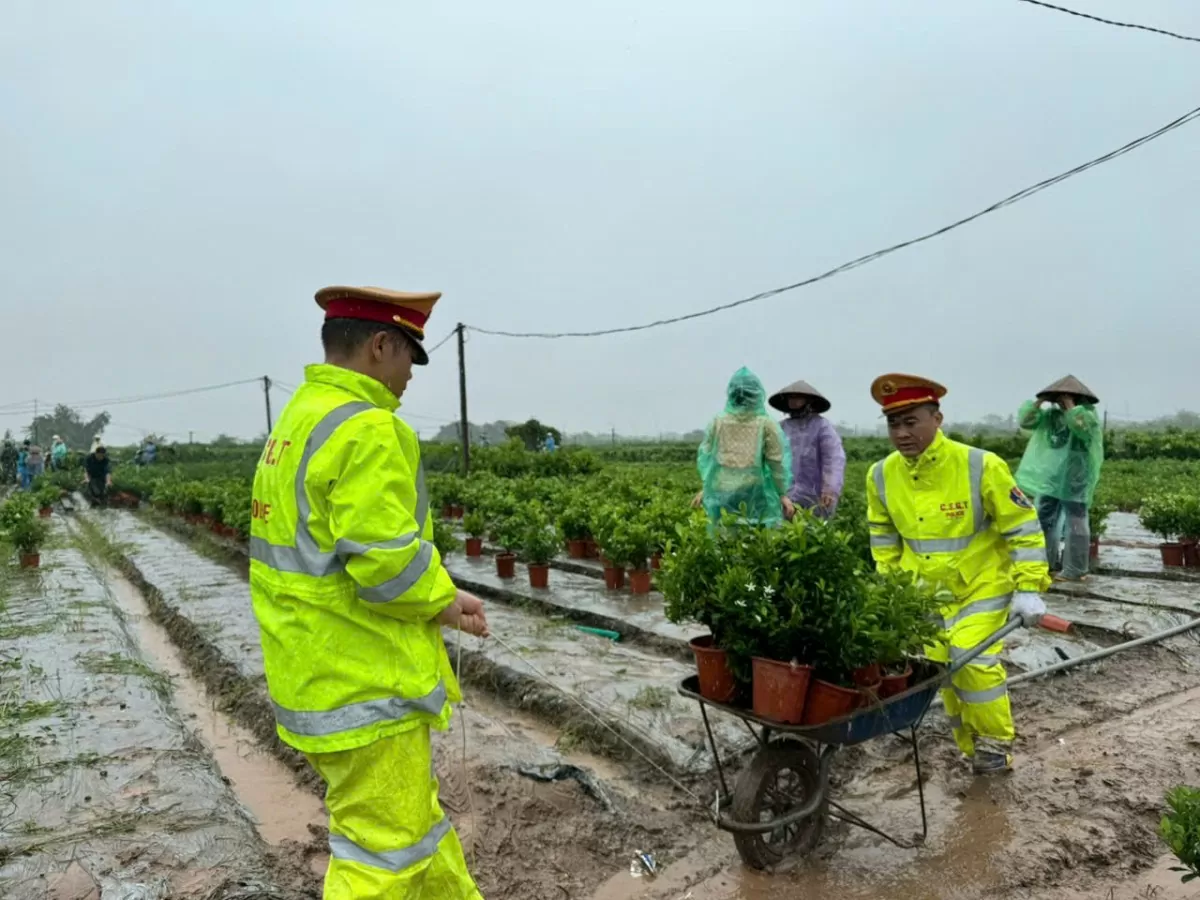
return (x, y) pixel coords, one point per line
(574, 699)
(465, 775)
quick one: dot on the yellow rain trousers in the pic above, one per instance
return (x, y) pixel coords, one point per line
(955, 516)
(347, 586)
(388, 836)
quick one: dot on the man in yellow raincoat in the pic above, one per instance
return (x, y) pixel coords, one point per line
(351, 596)
(954, 515)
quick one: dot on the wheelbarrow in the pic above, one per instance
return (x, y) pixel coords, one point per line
(780, 803)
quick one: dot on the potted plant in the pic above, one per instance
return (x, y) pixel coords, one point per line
(1098, 514)
(23, 529)
(1188, 524)
(45, 497)
(576, 527)
(507, 533)
(636, 545)
(691, 565)
(1161, 514)
(609, 533)
(475, 524)
(539, 544)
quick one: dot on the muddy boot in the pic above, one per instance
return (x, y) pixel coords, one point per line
(988, 762)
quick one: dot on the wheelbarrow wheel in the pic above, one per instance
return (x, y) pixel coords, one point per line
(782, 776)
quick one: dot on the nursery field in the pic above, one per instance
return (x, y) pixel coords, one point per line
(137, 748)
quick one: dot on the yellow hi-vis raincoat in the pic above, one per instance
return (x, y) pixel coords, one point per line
(347, 585)
(955, 516)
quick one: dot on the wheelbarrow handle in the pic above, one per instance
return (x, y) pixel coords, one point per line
(998, 635)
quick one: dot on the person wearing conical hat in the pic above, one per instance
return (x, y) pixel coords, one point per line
(351, 597)
(818, 458)
(953, 515)
(1061, 468)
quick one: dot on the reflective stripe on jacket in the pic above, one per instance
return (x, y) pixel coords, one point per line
(955, 516)
(344, 576)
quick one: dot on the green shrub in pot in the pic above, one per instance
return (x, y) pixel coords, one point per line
(475, 524)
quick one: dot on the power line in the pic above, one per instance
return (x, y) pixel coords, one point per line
(1011, 199)
(1083, 15)
(120, 401)
(429, 352)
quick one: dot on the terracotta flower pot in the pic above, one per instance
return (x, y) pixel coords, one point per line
(1094, 550)
(506, 565)
(639, 581)
(867, 675)
(656, 561)
(474, 546)
(456, 511)
(895, 684)
(780, 690)
(828, 701)
(712, 666)
(592, 551)
(577, 549)
(447, 511)
(1172, 554)
(30, 560)
(1191, 554)
(44, 512)
(539, 576)
(614, 577)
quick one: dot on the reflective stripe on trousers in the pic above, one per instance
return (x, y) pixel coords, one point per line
(388, 835)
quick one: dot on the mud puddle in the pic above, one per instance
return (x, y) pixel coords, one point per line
(106, 792)
(283, 811)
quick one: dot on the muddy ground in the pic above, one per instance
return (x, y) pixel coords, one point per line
(1077, 818)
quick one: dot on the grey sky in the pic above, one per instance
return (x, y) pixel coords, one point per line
(178, 178)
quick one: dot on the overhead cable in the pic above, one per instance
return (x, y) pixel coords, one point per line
(1102, 20)
(1020, 195)
(453, 331)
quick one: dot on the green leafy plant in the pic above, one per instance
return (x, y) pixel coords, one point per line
(444, 538)
(539, 540)
(1161, 514)
(1098, 514)
(574, 520)
(475, 524)
(1180, 829)
(20, 526)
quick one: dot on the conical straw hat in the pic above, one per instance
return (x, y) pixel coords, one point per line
(1069, 385)
(779, 399)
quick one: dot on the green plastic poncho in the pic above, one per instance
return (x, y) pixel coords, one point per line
(1064, 454)
(744, 461)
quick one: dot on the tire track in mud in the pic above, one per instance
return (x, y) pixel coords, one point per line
(529, 839)
(105, 790)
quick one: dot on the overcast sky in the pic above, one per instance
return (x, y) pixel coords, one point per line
(178, 178)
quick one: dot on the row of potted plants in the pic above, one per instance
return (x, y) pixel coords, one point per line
(800, 624)
(1175, 517)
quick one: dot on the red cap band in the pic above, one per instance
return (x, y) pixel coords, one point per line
(909, 396)
(377, 311)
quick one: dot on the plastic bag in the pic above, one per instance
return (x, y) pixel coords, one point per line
(744, 461)
(1064, 454)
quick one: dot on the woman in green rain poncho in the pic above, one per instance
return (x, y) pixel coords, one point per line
(1061, 467)
(744, 460)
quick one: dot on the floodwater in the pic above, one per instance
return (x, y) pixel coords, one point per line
(282, 810)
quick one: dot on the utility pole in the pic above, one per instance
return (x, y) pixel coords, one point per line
(35, 415)
(462, 399)
(190, 437)
(267, 397)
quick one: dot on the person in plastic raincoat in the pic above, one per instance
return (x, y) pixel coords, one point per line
(744, 460)
(1061, 468)
(954, 515)
(818, 458)
(351, 597)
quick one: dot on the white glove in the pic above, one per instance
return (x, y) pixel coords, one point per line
(1028, 606)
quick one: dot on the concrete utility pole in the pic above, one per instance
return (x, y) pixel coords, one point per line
(267, 397)
(465, 428)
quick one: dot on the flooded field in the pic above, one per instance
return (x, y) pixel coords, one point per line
(133, 682)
